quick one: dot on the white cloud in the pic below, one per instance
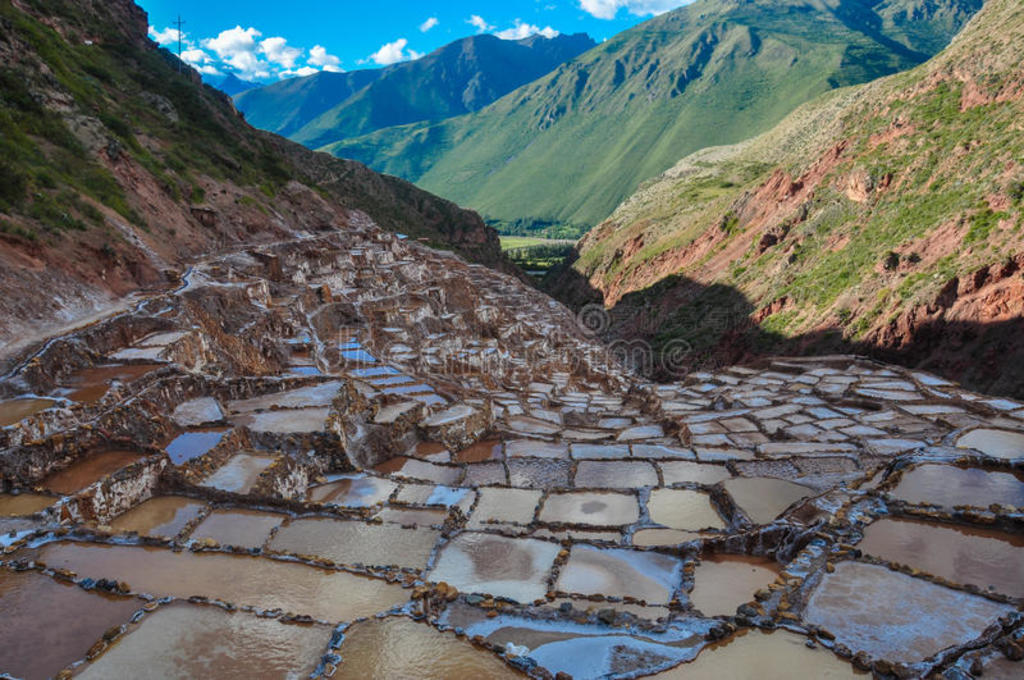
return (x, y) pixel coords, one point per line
(300, 72)
(607, 9)
(233, 41)
(521, 30)
(167, 36)
(328, 62)
(393, 52)
(478, 21)
(237, 47)
(428, 24)
(277, 51)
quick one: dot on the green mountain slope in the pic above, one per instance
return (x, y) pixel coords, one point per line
(887, 218)
(457, 78)
(569, 147)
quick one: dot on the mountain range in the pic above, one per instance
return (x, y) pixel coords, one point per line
(562, 151)
(458, 78)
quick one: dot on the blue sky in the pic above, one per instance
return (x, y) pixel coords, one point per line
(266, 40)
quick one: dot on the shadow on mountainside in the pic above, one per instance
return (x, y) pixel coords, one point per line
(691, 326)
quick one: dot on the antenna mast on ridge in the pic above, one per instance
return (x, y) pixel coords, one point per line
(179, 23)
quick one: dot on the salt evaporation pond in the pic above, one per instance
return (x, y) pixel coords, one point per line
(960, 554)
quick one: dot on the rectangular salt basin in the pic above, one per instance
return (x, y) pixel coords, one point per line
(181, 640)
(239, 474)
(88, 470)
(515, 506)
(286, 421)
(23, 504)
(16, 410)
(949, 486)
(190, 445)
(594, 508)
(894, 616)
(257, 581)
(353, 491)
(241, 528)
(314, 395)
(514, 568)
(47, 625)
(960, 554)
(160, 516)
(646, 576)
(354, 542)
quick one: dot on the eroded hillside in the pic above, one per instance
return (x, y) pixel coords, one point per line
(886, 217)
(116, 168)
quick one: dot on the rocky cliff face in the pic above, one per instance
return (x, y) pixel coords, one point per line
(886, 218)
(119, 167)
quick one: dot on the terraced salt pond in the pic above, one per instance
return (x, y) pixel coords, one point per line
(683, 509)
(242, 580)
(494, 492)
(895, 616)
(353, 542)
(181, 641)
(996, 443)
(354, 491)
(950, 486)
(89, 470)
(967, 555)
(763, 498)
(724, 582)
(400, 648)
(161, 516)
(650, 577)
(242, 528)
(46, 625)
(757, 655)
(190, 445)
(18, 505)
(240, 473)
(16, 410)
(89, 385)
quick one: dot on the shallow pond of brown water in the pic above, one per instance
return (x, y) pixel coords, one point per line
(257, 581)
(46, 625)
(961, 554)
(401, 648)
(181, 641)
(89, 470)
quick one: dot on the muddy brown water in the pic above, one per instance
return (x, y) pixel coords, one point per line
(46, 625)
(181, 641)
(354, 542)
(756, 655)
(724, 582)
(401, 648)
(22, 504)
(961, 554)
(949, 486)
(89, 470)
(15, 410)
(160, 516)
(89, 385)
(242, 580)
(242, 528)
(488, 449)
